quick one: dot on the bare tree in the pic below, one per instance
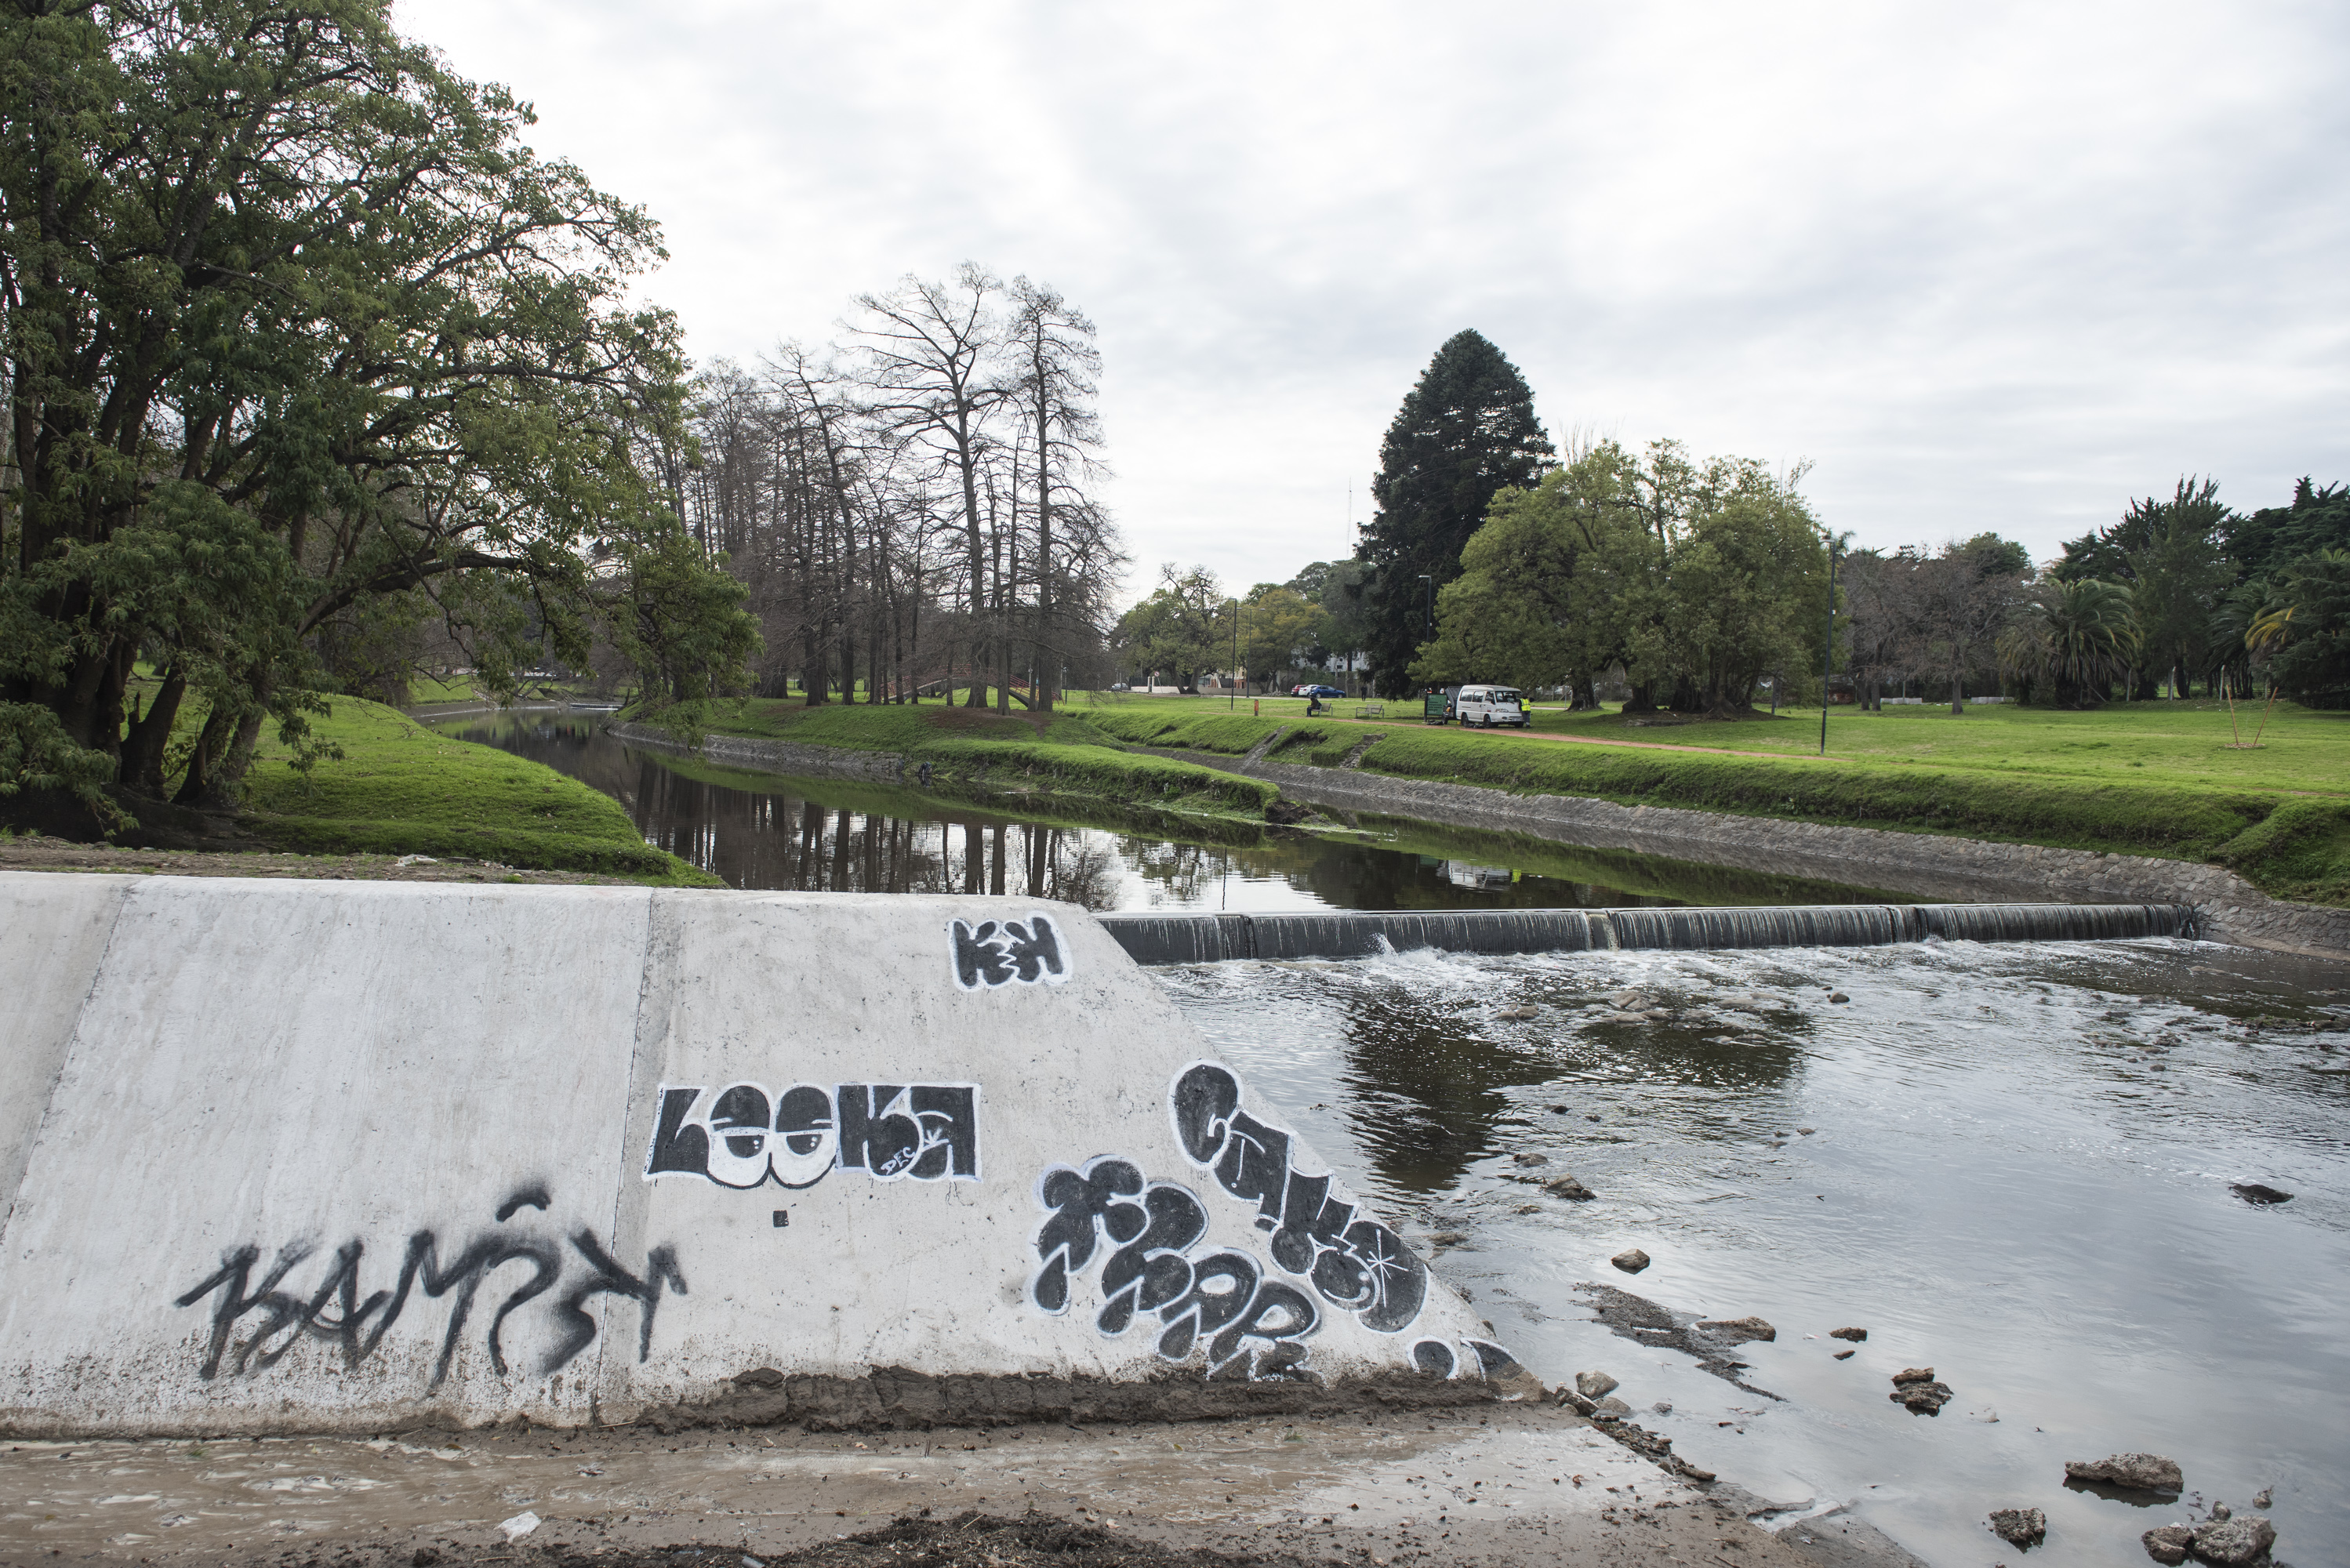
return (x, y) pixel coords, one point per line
(929, 352)
(1055, 369)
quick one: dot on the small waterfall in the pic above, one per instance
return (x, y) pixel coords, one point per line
(1356, 933)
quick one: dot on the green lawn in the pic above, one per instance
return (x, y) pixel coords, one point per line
(2301, 751)
(2140, 779)
(400, 789)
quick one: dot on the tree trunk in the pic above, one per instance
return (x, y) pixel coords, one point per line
(142, 749)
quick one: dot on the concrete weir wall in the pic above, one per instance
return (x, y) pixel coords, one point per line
(336, 1155)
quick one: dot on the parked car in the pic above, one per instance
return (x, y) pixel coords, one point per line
(1483, 707)
(1120, 686)
(1324, 692)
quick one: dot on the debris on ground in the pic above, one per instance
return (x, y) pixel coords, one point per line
(2260, 1193)
(2020, 1527)
(1914, 1390)
(2234, 1542)
(2132, 1472)
(1738, 1330)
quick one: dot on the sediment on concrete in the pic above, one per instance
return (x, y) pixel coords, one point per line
(1928, 865)
(1354, 933)
(896, 1398)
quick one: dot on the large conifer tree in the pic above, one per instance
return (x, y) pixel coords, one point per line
(1467, 431)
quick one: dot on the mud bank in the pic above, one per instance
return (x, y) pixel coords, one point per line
(1507, 1486)
(1926, 866)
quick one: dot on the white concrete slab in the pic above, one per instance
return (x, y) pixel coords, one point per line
(55, 936)
(338, 1155)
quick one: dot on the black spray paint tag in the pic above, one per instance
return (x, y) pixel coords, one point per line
(745, 1137)
(1005, 952)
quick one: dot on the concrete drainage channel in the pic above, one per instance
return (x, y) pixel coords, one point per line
(1337, 933)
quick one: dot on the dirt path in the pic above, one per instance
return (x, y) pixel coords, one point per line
(1513, 1488)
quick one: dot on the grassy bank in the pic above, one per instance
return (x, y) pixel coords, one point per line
(981, 757)
(399, 789)
(2158, 779)
(2288, 845)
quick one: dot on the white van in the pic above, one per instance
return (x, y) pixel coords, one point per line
(1486, 706)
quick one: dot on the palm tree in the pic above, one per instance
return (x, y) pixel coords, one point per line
(2076, 636)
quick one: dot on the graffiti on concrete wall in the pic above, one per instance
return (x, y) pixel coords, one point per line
(1357, 1264)
(743, 1135)
(1225, 1304)
(254, 1323)
(1005, 952)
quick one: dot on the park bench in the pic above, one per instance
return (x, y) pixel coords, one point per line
(1371, 711)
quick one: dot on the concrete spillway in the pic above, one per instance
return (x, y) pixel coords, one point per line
(347, 1155)
(1343, 933)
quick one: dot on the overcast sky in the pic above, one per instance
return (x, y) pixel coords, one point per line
(1985, 266)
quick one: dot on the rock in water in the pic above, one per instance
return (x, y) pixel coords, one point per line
(1853, 1335)
(1631, 1260)
(2235, 1543)
(2167, 1543)
(1915, 1390)
(1566, 1187)
(1739, 1330)
(2024, 1527)
(1594, 1384)
(1526, 1157)
(2138, 1472)
(2254, 1192)
(1838, 996)
(1614, 1408)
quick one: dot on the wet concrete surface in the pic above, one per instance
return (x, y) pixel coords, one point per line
(1517, 1484)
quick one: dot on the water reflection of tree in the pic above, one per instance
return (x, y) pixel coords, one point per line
(1429, 1088)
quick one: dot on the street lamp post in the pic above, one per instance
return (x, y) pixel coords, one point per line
(1827, 659)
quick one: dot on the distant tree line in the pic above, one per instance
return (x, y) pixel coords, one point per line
(1703, 585)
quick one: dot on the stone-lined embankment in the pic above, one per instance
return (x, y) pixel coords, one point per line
(1929, 866)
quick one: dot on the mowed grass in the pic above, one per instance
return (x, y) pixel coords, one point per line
(400, 789)
(2289, 840)
(2301, 750)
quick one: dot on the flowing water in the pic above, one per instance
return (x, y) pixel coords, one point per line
(2009, 1163)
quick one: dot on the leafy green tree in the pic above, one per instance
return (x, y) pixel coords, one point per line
(1465, 432)
(294, 323)
(2270, 541)
(1554, 585)
(1277, 624)
(2072, 639)
(1182, 629)
(2172, 556)
(2303, 629)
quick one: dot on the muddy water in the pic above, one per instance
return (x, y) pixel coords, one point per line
(760, 831)
(2016, 1172)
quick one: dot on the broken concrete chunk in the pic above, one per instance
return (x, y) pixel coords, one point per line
(2235, 1543)
(2137, 1473)
(1853, 1335)
(1594, 1384)
(1738, 1330)
(2023, 1527)
(2167, 1543)
(1914, 1388)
